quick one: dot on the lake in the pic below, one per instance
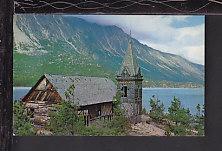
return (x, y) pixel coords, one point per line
(189, 97)
(20, 92)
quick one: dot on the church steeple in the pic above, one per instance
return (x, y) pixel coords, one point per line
(129, 83)
(129, 63)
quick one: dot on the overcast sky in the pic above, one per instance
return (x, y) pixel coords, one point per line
(181, 35)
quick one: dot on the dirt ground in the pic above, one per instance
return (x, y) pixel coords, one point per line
(146, 128)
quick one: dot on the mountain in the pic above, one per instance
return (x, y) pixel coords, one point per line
(60, 44)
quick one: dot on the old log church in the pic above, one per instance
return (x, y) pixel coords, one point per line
(93, 95)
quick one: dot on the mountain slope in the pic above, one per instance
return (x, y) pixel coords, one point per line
(69, 45)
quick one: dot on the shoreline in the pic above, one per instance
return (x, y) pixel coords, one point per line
(172, 88)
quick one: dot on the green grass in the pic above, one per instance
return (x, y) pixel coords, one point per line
(28, 69)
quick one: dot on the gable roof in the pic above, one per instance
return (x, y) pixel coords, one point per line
(87, 90)
(129, 63)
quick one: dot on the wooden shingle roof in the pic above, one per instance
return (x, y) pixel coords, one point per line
(87, 91)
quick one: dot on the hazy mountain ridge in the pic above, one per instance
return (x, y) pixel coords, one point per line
(69, 44)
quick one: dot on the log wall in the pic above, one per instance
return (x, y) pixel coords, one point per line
(40, 100)
(39, 103)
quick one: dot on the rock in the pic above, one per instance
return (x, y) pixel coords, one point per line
(144, 129)
(43, 132)
(145, 119)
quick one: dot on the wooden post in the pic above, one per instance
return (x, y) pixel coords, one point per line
(87, 120)
(6, 47)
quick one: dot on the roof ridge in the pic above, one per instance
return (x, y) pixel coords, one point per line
(88, 90)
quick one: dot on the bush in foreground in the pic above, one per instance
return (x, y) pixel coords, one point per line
(180, 117)
(157, 109)
(199, 120)
(22, 126)
(179, 120)
(64, 120)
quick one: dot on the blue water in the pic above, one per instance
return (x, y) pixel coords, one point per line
(189, 97)
(20, 92)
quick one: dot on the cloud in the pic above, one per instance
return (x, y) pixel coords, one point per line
(158, 32)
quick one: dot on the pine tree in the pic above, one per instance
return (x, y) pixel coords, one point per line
(199, 120)
(157, 109)
(22, 126)
(180, 117)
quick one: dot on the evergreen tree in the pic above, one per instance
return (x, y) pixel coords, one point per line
(64, 120)
(199, 120)
(144, 111)
(180, 117)
(157, 109)
(22, 126)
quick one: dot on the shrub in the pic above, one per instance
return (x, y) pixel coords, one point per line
(199, 120)
(144, 111)
(180, 117)
(22, 126)
(64, 120)
(157, 110)
(119, 123)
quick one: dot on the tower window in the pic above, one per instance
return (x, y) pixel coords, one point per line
(124, 91)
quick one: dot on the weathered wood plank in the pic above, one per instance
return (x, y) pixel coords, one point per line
(32, 105)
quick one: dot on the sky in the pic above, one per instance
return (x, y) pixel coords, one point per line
(176, 34)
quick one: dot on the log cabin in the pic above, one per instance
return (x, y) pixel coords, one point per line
(92, 95)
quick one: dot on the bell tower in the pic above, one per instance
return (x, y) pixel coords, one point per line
(129, 80)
